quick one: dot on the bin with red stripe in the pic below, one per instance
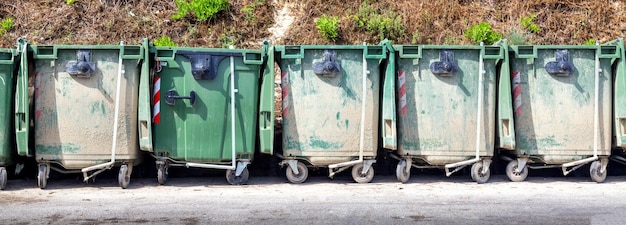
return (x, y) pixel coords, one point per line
(446, 107)
(562, 99)
(209, 108)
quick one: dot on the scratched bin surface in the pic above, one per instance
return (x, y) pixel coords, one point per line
(323, 99)
(556, 99)
(438, 102)
(8, 62)
(74, 103)
(200, 131)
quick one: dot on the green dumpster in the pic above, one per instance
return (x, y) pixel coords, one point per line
(562, 108)
(446, 107)
(83, 105)
(8, 62)
(210, 105)
(330, 108)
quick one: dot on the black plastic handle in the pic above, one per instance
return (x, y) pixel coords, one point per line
(172, 95)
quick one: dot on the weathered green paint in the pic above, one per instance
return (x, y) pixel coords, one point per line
(58, 150)
(8, 62)
(73, 115)
(202, 132)
(322, 113)
(556, 123)
(439, 126)
(619, 97)
(145, 103)
(388, 111)
(266, 103)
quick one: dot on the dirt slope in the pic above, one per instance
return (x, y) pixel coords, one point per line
(293, 22)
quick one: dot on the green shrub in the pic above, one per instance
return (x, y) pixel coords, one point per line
(69, 2)
(328, 26)
(482, 32)
(164, 41)
(388, 25)
(529, 24)
(6, 25)
(203, 10)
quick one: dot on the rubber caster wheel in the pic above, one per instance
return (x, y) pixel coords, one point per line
(362, 178)
(237, 180)
(42, 176)
(401, 173)
(3, 178)
(477, 175)
(123, 178)
(303, 174)
(162, 174)
(595, 172)
(515, 176)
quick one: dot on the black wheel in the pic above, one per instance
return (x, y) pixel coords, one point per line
(3, 178)
(123, 178)
(42, 179)
(595, 171)
(477, 175)
(237, 180)
(362, 178)
(401, 173)
(515, 176)
(303, 174)
(162, 174)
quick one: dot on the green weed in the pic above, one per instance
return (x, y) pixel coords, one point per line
(203, 10)
(529, 24)
(164, 41)
(328, 26)
(590, 41)
(6, 25)
(248, 9)
(415, 39)
(482, 32)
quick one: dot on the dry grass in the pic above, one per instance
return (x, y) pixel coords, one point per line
(435, 21)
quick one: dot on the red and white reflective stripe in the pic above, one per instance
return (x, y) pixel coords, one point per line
(517, 93)
(156, 101)
(402, 92)
(285, 85)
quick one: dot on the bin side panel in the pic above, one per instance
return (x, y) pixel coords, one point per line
(440, 120)
(7, 65)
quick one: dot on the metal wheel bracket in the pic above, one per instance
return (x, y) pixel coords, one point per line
(409, 164)
(240, 167)
(367, 164)
(47, 165)
(521, 163)
(603, 162)
(293, 165)
(486, 164)
(18, 168)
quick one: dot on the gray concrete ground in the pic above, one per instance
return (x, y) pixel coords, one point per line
(426, 199)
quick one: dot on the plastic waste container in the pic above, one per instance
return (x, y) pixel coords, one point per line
(8, 62)
(209, 107)
(83, 107)
(446, 107)
(330, 108)
(562, 108)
